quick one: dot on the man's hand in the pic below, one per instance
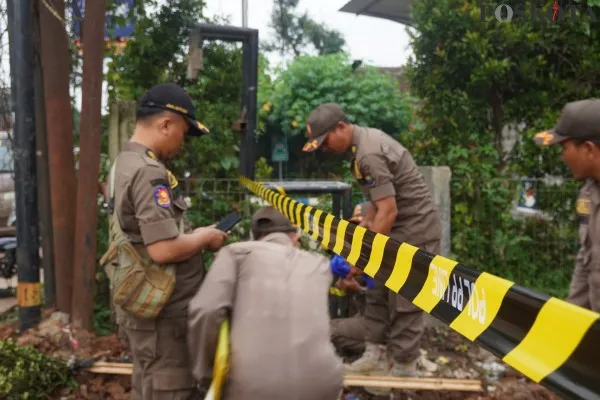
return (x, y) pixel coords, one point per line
(348, 284)
(212, 237)
(368, 217)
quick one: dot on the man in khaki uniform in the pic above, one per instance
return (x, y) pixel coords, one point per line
(578, 132)
(348, 334)
(151, 210)
(277, 298)
(402, 208)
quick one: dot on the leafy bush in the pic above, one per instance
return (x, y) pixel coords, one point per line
(474, 78)
(26, 373)
(369, 97)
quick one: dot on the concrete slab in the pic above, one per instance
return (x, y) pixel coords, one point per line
(7, 304)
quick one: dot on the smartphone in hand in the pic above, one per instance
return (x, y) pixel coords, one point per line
(227, 223)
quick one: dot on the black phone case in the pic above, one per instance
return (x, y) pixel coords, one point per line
(228, 222)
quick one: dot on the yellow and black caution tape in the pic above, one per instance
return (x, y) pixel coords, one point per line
(547, 339)
(221, 365)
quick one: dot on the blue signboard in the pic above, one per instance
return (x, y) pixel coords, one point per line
(121, 9)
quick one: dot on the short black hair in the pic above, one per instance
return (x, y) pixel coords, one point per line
(146, 113)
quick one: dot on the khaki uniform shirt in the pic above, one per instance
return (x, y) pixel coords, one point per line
(277, 298)
(150, 208)
(585, 283)
(384, 168)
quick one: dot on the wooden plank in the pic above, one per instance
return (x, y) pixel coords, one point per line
(407, 383)
(413, 384)
(434, 380)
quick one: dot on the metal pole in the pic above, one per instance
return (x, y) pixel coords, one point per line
(21, 40)
(245, 13)
(280, 170)
(90, 134)
(59, 128)
(45, 208)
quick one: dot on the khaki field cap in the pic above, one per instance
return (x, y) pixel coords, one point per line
(578, 120)
(319, 122)
(270, 220)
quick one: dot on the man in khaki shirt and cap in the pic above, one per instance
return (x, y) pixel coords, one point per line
(402, 208)
(277, 298)
(150, 211)
(578, 132)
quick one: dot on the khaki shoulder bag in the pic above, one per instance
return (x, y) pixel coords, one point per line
(139, 285)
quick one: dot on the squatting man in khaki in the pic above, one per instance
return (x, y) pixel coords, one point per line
(578, 132)
(348, 334)
(277, 298)
(150, 211)
(402, 208)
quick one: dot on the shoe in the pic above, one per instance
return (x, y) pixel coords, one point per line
(404, 369)
(374, 362)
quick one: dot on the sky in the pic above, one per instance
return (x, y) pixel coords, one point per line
(374, 40)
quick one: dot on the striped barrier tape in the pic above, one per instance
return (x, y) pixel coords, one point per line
(547, 339)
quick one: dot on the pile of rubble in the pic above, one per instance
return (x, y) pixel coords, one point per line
(445, 354)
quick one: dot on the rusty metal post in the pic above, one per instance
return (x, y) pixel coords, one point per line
(59, 121)
(90, 133)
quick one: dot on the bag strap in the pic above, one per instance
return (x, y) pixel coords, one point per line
(116, 232)
(111, 181)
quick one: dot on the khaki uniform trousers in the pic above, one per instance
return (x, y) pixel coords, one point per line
(161, 368)
(348, 334)
(391, 319)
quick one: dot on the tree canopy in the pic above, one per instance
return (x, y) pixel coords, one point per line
(476, 78)
(297, 33)
(369, 97)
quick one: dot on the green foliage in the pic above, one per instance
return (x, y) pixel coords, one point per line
(296, 33)
(157, 48)
(26, 373)
(369, 97)
(473, 78)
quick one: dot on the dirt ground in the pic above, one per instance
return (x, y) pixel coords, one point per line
(452, 356)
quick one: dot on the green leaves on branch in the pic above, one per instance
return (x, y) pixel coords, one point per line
(369, 97)
(296, 33)
(479, 80)
(25, 373)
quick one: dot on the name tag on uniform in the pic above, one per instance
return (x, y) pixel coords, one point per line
(583, 207)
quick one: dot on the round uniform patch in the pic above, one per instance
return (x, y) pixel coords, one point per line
(161, 196)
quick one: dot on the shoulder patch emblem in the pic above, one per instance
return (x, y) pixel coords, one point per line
(369, 181)
(162, 197)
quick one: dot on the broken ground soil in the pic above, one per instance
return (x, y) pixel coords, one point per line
(455, 357)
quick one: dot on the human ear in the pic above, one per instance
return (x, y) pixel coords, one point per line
(163, 125)
(591, 150)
